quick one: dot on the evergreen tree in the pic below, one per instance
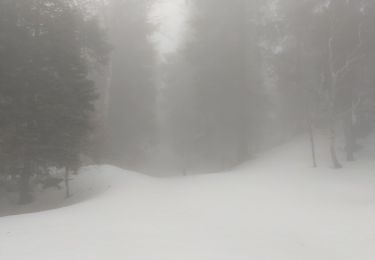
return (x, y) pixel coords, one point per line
(132, 95)
(225, 59)
(47, 99)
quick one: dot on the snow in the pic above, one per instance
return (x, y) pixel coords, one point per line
(274, 208)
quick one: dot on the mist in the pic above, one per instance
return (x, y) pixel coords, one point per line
(240, 129)
(231, 80)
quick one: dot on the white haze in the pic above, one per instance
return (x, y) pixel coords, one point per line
(170, 17)
(187, 129)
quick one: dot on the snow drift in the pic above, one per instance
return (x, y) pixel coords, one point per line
(275, 208)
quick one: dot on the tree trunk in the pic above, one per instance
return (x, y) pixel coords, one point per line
(335, 161)
(350, 137)
(312, 142)
(350, 143)
(25, 196)
(243, 36)
(67, 186)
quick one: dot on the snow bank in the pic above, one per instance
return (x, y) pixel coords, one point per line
(91, 182)
(276, 208)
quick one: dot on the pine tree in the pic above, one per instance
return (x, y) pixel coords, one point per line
(47, 99)
(225, 60)
(130, 124)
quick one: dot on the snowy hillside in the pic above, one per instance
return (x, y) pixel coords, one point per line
(276, 208)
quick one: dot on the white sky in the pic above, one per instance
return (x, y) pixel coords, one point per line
(170, 16)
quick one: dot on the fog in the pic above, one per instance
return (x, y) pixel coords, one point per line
(170, 19)
(177, 89)
(218, 82)
(198, 86)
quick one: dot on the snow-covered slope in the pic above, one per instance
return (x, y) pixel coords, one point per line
(275, 208)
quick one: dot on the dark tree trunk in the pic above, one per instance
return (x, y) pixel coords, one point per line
(67, 186)
(242, 138)
(350, 138)
(312, 143)
(25, 196)
(335, 161)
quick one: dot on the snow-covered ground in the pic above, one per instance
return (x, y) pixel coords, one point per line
(274, 208)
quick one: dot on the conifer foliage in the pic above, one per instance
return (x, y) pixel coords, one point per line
(46, 98)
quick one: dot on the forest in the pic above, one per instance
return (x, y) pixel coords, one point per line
(182, 88)
(86, 80)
